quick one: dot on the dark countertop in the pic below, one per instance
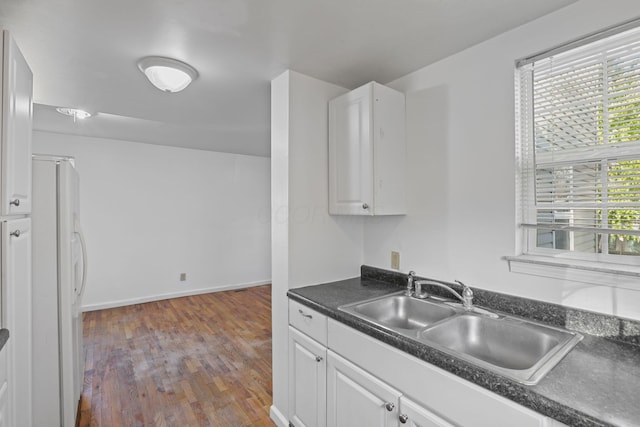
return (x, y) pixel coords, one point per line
(4, 337)
(596, 384)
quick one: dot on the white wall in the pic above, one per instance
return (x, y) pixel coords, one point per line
(151, 212)
(460, 132)
(308, 245)
(279, 245)
(322, 247)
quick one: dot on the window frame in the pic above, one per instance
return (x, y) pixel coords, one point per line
(600, 268)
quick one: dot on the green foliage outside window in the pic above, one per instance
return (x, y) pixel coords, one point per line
(624, 176)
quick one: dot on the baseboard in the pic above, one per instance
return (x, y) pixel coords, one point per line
(141, 300)
(277, 417)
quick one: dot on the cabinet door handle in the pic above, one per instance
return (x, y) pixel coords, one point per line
(15, 233)
(308, 316)
(365, 206)
(390, 406)
(403, 418)
(15, 202)
(318, 358)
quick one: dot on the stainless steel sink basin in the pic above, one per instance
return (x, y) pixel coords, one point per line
(519, 349)
(400, 312)
(522, 350)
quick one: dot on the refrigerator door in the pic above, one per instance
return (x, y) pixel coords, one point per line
(71, 273)
(59, 266)
(79, 253)
(45, 297)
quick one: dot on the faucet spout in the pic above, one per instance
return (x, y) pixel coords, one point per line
(466, 298)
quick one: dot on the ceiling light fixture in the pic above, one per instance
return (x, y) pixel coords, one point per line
(168, 75)
(76, 113)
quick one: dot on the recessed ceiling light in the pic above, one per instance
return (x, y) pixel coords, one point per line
(76, 113)
(168, 75)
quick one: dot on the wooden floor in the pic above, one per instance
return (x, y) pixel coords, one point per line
(196, 361)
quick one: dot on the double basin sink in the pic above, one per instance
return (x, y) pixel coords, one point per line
(519, 349)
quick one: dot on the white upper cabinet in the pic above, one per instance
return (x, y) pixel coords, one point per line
(17, 116)
(367, 157)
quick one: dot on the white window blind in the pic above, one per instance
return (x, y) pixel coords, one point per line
(579, 149)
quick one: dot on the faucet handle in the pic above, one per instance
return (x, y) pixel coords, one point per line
(467, 295)
(410, 278)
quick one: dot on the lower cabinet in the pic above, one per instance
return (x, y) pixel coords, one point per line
(16, 301)
(357, 398)
(4, 389)
(4, 405)
(414, 415)
(307, 380)
(339, 377)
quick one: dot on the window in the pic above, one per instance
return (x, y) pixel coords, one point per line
(578, 132)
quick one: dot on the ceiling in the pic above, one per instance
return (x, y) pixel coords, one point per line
(83, 54)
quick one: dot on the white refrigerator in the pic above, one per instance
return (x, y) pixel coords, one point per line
(59, 277)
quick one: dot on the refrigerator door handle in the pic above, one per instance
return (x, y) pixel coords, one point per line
(78, 231)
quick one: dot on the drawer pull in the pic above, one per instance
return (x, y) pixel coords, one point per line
(390, 406)
(403, 418)
(15, 233)
(308, 316)
(318, 358)
(15, 202)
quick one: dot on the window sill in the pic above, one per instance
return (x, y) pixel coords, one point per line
(605, 274)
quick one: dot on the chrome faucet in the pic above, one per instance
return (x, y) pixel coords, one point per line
(410, 279)
(466, 297)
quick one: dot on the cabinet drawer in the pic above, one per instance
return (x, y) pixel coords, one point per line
(308, 321)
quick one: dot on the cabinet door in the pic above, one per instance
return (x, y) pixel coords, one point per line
(307, 381)
(356, 398)
(4, 391)
(351, 153)
(16, 301)
(17, 116)
(414, 415)
(4, 405)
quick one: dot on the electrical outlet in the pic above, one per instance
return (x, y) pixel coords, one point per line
(183, 277)
(395, 260)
